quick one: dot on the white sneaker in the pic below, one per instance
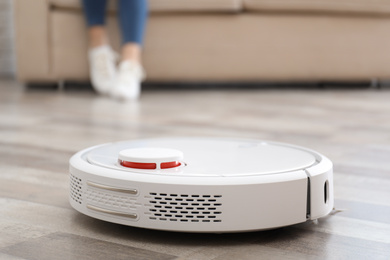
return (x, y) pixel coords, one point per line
(128, 81)
(102, 61)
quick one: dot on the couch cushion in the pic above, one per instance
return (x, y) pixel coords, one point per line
(344, 6)
(167, 5)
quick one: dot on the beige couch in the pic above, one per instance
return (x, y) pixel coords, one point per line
(218, 40)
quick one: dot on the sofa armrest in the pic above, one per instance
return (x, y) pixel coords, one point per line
(32, 47)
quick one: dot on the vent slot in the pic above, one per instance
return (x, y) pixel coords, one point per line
(185, 208)
(76, 189)
(109, 199)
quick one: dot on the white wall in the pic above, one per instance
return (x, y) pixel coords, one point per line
(7, 63)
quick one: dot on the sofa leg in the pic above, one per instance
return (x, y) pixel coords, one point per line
(61, 85)
(374, 83)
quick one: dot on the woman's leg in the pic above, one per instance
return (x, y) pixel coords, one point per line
(101, 57)
(94, 11)
(132, 18)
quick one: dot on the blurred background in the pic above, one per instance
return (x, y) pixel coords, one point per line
(7, 57)
(209, 41)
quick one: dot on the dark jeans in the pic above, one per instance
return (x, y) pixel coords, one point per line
(132, 17)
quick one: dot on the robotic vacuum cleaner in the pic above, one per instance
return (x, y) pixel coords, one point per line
(201, 184)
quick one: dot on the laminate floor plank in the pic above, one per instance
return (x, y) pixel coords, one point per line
(78, 247)
(10, 257)
(327, 245)
(352, 227)
(14, 232)
(48, 195)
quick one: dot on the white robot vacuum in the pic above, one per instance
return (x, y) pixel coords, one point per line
(201, 184)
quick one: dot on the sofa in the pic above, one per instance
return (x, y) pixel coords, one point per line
(217, 40)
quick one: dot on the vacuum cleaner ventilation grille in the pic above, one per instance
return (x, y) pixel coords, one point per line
(111, 200)
(184, 207)
(76, 189)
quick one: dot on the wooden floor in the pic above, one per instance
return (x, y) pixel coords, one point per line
(41, 129)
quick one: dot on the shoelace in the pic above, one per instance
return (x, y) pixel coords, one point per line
(102, 66)
(131, 68)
